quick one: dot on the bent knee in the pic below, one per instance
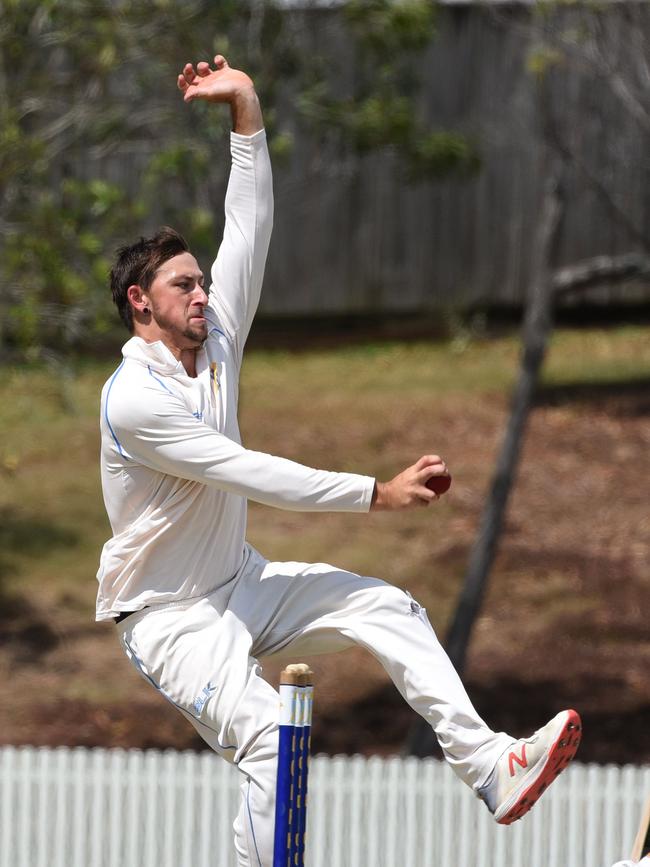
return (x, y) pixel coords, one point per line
(393, 599)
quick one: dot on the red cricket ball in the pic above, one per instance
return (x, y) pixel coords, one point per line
(439, 484)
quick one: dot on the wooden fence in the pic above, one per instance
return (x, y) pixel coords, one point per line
(353, 236)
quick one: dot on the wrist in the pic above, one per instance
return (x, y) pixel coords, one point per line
(244, 94)
(246, 111)
(378, 502)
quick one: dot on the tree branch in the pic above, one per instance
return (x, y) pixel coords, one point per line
(599, 271)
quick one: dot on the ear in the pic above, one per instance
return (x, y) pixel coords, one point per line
(138, 298)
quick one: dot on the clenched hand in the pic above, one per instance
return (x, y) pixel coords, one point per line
(408, 489)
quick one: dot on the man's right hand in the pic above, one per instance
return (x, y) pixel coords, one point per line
(408, 490)
(223, 84)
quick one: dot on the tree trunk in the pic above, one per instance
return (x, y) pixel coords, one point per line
(538, 324)
(538, 319)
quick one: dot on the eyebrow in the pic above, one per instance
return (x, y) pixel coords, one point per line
(198, 276)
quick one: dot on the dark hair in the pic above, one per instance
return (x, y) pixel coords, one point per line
(136, 264)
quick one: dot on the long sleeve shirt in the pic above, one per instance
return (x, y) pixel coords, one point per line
(175, 476)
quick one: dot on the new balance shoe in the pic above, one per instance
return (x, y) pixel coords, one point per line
(529, 766)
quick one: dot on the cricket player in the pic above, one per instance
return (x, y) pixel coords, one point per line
(195, 605)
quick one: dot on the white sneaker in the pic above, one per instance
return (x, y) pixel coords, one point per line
(529, 766)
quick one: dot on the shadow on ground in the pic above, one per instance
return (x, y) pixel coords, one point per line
(28, 535)
(630, 398)
(616, 736)
(23, 632)
(141, 724)
(374, 726)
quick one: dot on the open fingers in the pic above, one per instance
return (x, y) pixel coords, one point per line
(189, 73)
(191, 76)
(186, 78)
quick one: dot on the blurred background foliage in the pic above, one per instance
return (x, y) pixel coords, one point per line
(86, 82)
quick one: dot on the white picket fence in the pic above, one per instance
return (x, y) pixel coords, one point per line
(116, 808)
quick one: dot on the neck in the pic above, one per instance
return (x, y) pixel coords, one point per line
(186, 356)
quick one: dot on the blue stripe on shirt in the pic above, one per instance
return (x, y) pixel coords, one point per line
(158, 379)
(110, 427)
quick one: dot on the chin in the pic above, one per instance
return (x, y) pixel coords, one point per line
(197, 335)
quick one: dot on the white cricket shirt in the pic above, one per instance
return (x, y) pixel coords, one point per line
(175, 476)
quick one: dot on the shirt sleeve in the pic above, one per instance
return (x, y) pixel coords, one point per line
(167, 438)
(238, 270)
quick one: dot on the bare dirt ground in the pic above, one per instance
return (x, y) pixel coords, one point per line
(565, 621)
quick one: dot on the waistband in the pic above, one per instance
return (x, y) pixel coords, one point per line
(124, 614)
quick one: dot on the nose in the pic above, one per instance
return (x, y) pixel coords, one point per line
(200, 295)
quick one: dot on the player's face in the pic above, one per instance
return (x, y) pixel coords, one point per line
(178, 299)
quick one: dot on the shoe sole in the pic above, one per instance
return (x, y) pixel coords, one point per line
(559, 755)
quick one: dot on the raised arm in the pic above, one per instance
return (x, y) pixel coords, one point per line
(238, 270)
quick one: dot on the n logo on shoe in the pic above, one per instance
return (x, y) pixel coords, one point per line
(513, 757)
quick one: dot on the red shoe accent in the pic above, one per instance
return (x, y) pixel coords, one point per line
(559, 756)
(513, 757)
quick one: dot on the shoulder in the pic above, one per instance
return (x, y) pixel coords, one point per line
(133, 393)
(126, 378)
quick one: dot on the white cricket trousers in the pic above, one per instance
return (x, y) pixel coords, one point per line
(201, 654)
